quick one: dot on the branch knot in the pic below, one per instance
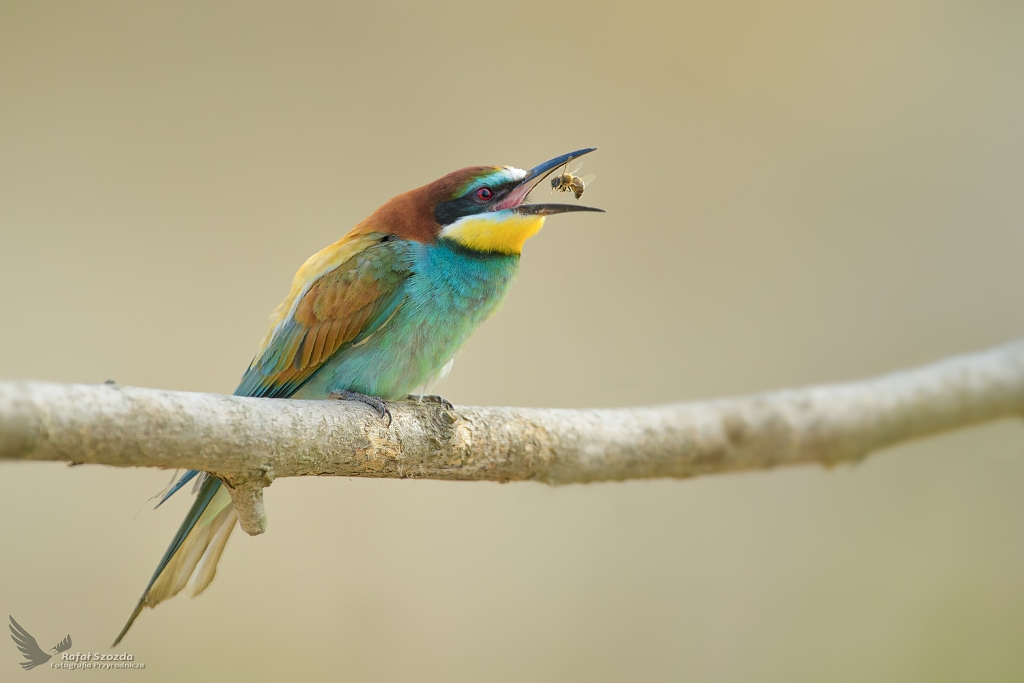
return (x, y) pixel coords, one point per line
(247, 496)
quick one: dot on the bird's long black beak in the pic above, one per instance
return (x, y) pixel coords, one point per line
(538, 173)
(551, 209)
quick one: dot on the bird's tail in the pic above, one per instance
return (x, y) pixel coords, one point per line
(190, 562)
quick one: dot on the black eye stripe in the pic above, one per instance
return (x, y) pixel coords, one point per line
(468, 204)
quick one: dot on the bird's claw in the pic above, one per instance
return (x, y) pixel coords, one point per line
(374, 402)
(432, 398)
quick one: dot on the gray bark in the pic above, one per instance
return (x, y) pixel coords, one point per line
(250, 441)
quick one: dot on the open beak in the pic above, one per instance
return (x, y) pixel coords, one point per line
(534, 176)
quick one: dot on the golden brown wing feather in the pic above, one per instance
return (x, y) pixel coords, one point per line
(349, 296)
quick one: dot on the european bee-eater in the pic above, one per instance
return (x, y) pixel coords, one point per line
(370, 318)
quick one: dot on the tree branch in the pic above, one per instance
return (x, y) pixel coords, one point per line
(250, 441)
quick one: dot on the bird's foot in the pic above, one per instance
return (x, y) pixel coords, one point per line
(374, 402)
(432, 398)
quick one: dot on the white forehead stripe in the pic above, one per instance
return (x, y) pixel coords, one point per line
(498, 177)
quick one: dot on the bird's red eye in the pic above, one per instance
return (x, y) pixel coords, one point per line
(484, 193)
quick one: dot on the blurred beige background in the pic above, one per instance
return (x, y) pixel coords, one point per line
(797, 192)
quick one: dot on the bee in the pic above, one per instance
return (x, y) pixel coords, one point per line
(570, 182)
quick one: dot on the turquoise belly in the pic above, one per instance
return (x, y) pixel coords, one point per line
(451, 291)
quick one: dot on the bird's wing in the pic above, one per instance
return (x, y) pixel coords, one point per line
(339, 297)
(64, 644)
(28, 646)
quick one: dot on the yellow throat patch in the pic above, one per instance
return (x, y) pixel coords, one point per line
(495, 233)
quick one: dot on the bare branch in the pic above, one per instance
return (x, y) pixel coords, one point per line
(248, 501)
(250, 441)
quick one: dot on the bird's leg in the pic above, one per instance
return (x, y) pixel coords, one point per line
(374, 402)
(432, 398)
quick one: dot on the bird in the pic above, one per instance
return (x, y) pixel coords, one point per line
(30, 648)
(371, 317)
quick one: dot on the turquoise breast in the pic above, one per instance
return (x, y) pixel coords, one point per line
(451, 292)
